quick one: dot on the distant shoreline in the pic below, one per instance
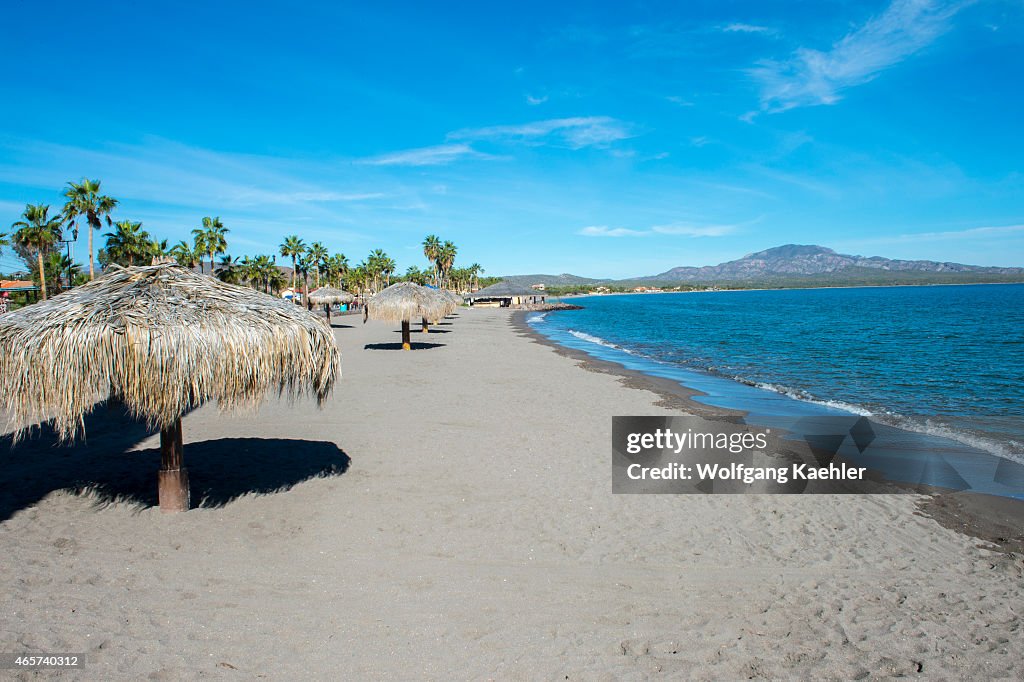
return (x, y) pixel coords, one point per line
(843, 286)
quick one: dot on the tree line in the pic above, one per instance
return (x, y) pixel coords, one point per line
(39, 234)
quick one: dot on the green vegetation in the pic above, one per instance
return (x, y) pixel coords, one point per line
(38, 232)
(85, 201)
(38, 236)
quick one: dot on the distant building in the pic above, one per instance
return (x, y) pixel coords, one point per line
(17, 285)
(503, 295)
(538, 287)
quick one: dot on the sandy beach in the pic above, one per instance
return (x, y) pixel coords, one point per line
(448, 515)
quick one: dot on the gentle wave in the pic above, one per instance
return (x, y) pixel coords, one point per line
(583, 336)
(1012, 450)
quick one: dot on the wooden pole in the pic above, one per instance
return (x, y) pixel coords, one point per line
(173, 489)
(328, 309)
(426, 327)
(406, 341)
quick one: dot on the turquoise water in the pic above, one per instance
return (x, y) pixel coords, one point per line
(943, 362)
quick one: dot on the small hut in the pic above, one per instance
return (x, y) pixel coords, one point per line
(403, 301)
(505, 294)
(162, 340)
(328, 296)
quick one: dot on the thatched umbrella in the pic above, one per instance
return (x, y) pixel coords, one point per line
(444, 306)
(163, 340)
(403, 301)
(328, 296)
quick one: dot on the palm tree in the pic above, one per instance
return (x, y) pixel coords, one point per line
(387, 268)
(317, 253)
(210, 238)
(84, 200)
(127, 242)
(249, 271)
(229, 271)
(294, 247)
(446, 259)
(302, 266)
(57, 265)
(432, 249)
(158, 249)
(341, 265)
(185, 254)
(38, 232)
(476, 270)
(4, 241)
(199, 245)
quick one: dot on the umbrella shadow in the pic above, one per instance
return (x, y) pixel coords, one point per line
(430, 331)
(107, 468)
(416, 345)
(340, 326)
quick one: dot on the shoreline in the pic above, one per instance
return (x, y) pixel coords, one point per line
(841, 286)
(989, 518)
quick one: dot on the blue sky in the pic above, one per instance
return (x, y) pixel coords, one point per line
(613, 139)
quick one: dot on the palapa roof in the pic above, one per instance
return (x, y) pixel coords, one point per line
(504, 289)
(404, 301)
(163, 340)
(330, 295)
(454, 297)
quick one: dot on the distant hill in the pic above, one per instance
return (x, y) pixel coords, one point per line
(798, 260)
(797, 265)
(563, 280)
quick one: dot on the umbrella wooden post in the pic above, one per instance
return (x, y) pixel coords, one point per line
(173, 477)
(426, 327)
(327, 307)
(406, 340)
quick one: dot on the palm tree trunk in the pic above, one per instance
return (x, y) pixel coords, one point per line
(293, 274)
(92, 268)
(406, 340)
(42, 273)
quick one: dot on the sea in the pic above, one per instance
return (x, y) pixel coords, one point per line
(938, 370)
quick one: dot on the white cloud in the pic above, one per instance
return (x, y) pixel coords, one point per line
(605, 231)
(679, 229)
(534, 101)
(676, 99)
(427, 156)
(812, 77)
(987, 232)
(749, 28)
(576, 132)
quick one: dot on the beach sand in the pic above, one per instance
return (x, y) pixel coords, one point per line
(448, 514)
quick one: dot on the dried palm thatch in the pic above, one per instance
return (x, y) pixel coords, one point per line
(326, 296)
(330, 296)
(444, 307)
(403, 301)
(455, 298)
(162, 340)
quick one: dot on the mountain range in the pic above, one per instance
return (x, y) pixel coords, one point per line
(800, 265)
